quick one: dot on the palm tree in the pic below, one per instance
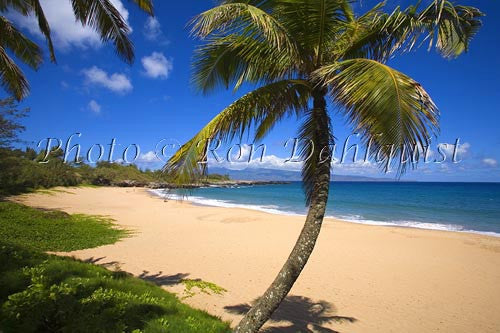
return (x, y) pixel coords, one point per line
(100, 15)
(306, 55)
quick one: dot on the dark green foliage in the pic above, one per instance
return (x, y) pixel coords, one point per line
(51, 294)
(23, 171)
(48, 230)
(20, 173)
(9, 125)
(215, 177)
(106, 173)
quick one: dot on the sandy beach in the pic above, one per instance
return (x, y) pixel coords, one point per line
(359, 279)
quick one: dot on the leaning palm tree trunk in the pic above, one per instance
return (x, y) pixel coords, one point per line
(301, 50)
(304, 246)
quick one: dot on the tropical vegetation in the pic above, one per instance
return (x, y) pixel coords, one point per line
(22, 172)
(308, 59)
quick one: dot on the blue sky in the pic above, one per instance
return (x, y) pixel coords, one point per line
(92, 92)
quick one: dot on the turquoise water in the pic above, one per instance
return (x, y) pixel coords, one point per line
(445, 206)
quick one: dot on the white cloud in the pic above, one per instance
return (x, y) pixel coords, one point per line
(94, 107)
(157, 66)
(240, 162)
(152, 29)
(116, 82)
(449, 148)
(279, 163)
(490, 162)
(149, 157)
(66, 31)
(267, 162)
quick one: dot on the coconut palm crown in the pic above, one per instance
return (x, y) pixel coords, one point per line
(309, 58)
(101, 15)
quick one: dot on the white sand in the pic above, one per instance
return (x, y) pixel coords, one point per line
(389, 279)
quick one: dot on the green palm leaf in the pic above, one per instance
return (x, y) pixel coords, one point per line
(11, 76)
(244, 20)
(447, 27)
(22, 47)
(236, 59)
(382, 105)
(313, 24)
(13, 79)
(256, 108)
(454, 28)
(240, 15)
(145, 5)
(27, 7)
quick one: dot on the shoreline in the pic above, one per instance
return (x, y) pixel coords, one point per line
(201, 201)
(360, 278)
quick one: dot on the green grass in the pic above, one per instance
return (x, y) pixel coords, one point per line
(51, 191)
(85, 185)
(49, 230)
(45, 293)
(203, 286)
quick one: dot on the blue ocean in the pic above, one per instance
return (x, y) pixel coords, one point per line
(466, 207)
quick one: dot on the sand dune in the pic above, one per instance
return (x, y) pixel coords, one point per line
(359, 279)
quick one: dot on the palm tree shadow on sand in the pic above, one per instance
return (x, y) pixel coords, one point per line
(163, 279)
(302, 314)
(159, 278)
(101, 262)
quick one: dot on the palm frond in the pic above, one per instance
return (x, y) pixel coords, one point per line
(362, 37)
(21, 6)
(145, 5)
(245, 20)
(348, 11)
(387, 108)
(22, 47)
(239, 15)
(27, 7)
(235, 59)
(44, 26)
(270, 102)
(451, 28)
(445, 26)
(108, 22)
(313, 23)
(11, 76)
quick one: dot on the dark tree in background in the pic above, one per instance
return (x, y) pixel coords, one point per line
(10, 116)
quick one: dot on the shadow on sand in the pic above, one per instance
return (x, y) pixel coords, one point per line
(100, 261)
(162, 279)
(159, 278)
(298, 314)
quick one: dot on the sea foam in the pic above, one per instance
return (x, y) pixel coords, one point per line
(274, 209)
